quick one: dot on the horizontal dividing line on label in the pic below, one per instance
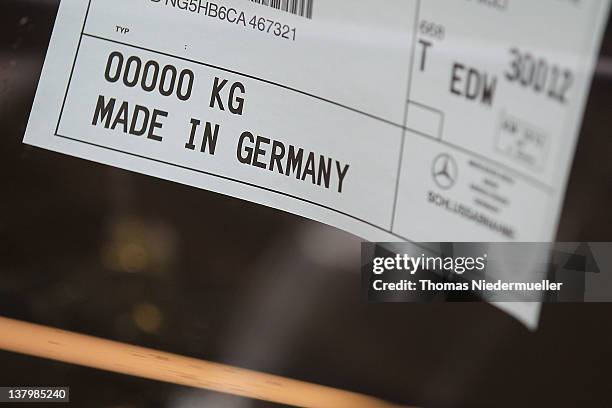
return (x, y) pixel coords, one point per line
(534, 182)
(246, 183)
(430, 108)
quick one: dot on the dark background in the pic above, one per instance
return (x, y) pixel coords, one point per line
(102, 251)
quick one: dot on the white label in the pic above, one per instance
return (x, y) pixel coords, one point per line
(395, 120)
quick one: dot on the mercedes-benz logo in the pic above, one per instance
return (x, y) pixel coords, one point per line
(444, 171)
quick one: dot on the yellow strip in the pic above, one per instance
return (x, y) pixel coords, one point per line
(60, 345)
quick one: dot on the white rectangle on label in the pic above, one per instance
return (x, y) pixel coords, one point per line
(424, 119)
(380, 118)
(321, 116)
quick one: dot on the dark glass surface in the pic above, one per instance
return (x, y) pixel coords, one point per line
(103, 251)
